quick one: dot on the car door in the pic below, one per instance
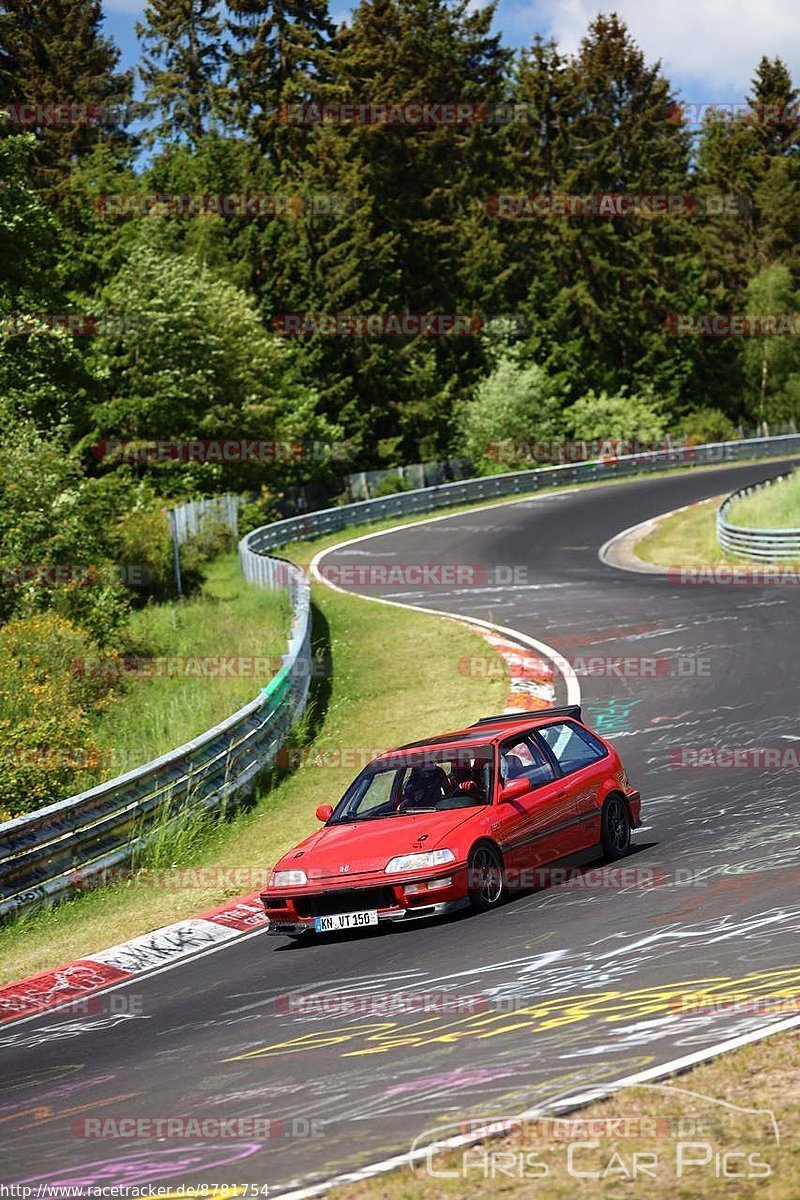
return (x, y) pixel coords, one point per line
(582, 760)
(539, 825)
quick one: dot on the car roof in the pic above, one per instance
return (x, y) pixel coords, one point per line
(491, 730)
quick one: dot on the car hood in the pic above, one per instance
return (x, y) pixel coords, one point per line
(367, 846)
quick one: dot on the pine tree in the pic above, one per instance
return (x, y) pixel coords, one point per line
(426, 185)
(276, 56)
(182, 55)
(59, 56)
(601, 284)
(754, 160)
(751, 164)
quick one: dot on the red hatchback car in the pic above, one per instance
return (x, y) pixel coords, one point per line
(457, 820)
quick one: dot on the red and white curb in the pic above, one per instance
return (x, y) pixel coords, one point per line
(41, 994)
(531, 677)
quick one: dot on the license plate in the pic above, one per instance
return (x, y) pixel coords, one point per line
(353, 920)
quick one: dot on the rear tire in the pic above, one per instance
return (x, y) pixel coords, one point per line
(615, 828)
(485, 885)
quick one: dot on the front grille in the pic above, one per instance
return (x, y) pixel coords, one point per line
(329, 904)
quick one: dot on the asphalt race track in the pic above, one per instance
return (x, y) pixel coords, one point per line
(579, 983)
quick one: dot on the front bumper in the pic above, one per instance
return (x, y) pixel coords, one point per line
(278, 926)
(297, 911)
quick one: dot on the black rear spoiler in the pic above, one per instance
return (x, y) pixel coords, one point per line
(569, 710)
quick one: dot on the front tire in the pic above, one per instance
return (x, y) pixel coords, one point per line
(485, 877)
(615, 828)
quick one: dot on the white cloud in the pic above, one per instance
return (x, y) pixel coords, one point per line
(712, 46)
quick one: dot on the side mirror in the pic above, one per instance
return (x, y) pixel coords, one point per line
(514, 789)
(324, 812)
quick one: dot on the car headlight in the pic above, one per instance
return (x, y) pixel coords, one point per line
(287, 879)
(413, 862)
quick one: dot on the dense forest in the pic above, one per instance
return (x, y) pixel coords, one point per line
(273, 164)
(392, 241)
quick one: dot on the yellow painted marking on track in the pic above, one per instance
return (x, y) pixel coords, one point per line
(554, 1012)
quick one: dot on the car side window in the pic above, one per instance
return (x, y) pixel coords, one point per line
(572, 746)
(522, 758)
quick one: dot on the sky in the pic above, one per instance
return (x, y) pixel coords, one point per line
(708, 48)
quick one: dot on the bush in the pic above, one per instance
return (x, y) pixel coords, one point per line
(620, 417)
(47, 693)
(515, 403)
(143, 541)
(261, 511)
(389, 485)
(708, 425)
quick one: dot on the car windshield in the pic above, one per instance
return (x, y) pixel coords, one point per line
(419, 781)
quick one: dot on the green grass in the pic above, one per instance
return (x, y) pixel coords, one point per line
(774, 507)
(687, 538)
(229, 618)
(374, 698)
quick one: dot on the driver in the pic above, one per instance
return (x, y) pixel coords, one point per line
(424, 787)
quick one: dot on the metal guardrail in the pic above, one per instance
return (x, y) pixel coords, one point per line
(765, 545)
(48, 853)
(44, 854)
(490, 487)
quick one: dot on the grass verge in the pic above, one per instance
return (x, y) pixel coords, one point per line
(685, 1145)
(774, 507)
(372, 698)
(229, 619)
(688, 538)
